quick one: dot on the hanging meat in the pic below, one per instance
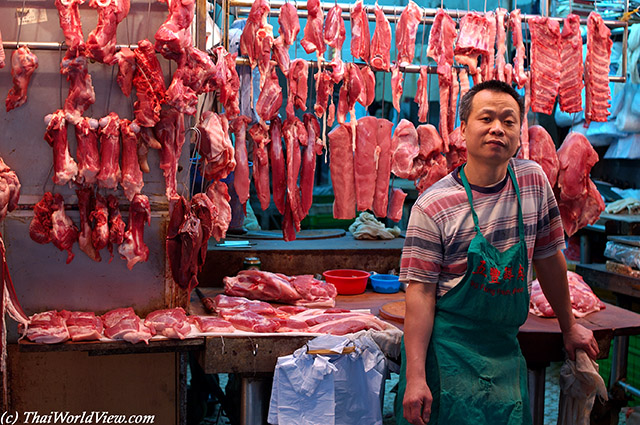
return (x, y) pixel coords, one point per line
(133, 248)
(117, 225)
(349, 93)
(215, 148)
(365, 161)
(313, 39)
(545, 63)
(289, 29)
(170, 133)
(313, 147)
(110, 173)
(368, 91)
(227, 81)
(383, 142)
(453, 100)
(100, 223)
(298, 80)
(23, 64)
(197, 74)
(9, 190)
(334, 36)
(596, 70)
(241, 177)
(380, 55)
(278, 167)
(81, 94)
(174, 35)
(571, 70)
(441, 38)
(131, 182)
(543, 151)
(515, 23)
(41, 224)
(85, 206)
(396, 86)
(524, 129)
(126, 60)
(430, 165)
(69, 16)
(63, 232)
(396, 204)
(579, 201)
(406, 149)
(255, 31)
(501, 44)
(149, 83)
(87, 151)
(473, 42)
(260, 134)
(406, 31)
(65, 168)
(360, 38)
(294, 134)
(422, 94)
(270, 99)
(219, 195)
(324, 89)
(101, 42)
(457, 153)
(342, 172)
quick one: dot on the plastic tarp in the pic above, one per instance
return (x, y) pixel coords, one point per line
(329, 389)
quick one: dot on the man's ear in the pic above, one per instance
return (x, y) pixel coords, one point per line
(463, 127)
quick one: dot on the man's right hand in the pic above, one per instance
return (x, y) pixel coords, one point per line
(417, 403)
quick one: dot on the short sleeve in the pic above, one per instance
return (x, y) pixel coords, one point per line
(422, 254)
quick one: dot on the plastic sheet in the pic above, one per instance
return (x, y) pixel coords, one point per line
(625, 254)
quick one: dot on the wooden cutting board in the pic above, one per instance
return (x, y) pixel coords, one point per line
(393, 311)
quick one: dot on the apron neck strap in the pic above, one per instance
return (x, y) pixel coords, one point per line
(467, 189)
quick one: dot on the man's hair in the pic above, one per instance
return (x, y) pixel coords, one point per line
(492, 85)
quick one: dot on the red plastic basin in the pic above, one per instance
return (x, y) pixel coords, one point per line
(347, 281)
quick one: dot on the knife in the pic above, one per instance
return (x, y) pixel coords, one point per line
(207, 302)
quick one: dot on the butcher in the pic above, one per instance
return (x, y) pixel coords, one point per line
(470, 242)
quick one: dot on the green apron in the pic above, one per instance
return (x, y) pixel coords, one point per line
(475, 369)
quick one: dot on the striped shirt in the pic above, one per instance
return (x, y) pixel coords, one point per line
(441, 226)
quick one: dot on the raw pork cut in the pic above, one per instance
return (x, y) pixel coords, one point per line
(406, 31)
(365, 162)
(170, 133)
(324, 89)
(253, 322)
(48, 327)
(81, 94)
(570, 91)
(207, 324)
(131, 182)
(100, 219)
(83, 325)
(396, 204)
(473, 41)
(430, 165)
(133, 248)
(101, 42)
(334, 35)
(297, 80)
(171, 322)
(217, 156)
(149, 83)
(543, 151)
(219, 195)
(226, 305)
(87, 151)
(351, 87)
(63, 233)
(227, 81)
(342, 173)
(117, 225)
(85, 206)
(583, 300)
(396, 86)
(110, 173)
(457, 154)
(124, 323)
(41, 225)
(313, 40)
(174, 35)
(241, 178)
(580, 212)
(515, 22)
(383, 142)
(501, 44)
(69, 16)
(9, 190)
(307, 175)
(126, 69)
(289, 23)
(270, 99)
(380, 56)
(294, 134)
(406, 149)
(23, 64)
(422, 94)
(65, 168)
(596, 70)
(545, 63)
(250, 45)
(360, 38)
(368, 91)
(3, 56)
(260, 135)
(278, 171)
(183, 236)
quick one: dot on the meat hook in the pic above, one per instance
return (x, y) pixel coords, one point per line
(222, 350)
(20, 25)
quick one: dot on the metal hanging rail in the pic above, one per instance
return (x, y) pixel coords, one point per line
(393, 13)
(50, 45)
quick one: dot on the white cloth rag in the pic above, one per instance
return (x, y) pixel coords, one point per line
(580, 382)
(367, 227)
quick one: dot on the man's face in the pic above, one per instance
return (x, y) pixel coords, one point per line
(492, 131)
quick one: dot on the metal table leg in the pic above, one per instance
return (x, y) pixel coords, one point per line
(254, 405)
(182, 360)
(536, 394)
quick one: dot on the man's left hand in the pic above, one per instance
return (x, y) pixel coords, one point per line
(580, 337)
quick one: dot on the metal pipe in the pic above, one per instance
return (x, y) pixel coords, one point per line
(50, 45)
(632, 390)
